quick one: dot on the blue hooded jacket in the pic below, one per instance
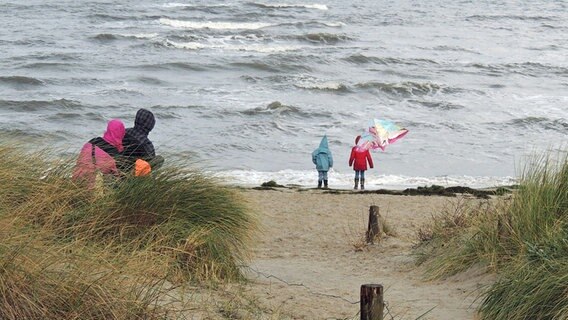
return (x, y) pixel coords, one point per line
(321, 157)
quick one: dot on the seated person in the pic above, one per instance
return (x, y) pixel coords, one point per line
(100, 154)
(137, 145)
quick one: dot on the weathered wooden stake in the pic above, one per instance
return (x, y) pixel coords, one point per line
(374, 229)
(372, 303)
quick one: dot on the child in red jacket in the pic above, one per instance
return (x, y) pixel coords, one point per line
(359, 160)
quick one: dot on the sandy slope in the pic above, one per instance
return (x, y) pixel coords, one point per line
(309, 238)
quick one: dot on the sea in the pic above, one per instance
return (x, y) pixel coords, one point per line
(246, 89)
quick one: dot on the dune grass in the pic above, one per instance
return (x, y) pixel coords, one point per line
(524, 239)
(203, 228)
(40, 279)
(19, 173)
(67, 252)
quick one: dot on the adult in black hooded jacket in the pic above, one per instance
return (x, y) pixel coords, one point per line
(136, 143)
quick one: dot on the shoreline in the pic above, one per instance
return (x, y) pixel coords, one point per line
(344, 180)
(433, 190)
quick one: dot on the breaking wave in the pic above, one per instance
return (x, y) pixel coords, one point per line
(47, 65)
(523, 68)
(363, 59)
(276, 66)
(220, 25)
(277, 108)
(272, 108)
(320, 38)
(454, 48)
(21, 80)
(37, 105)
(440, 105)
(560, 125)
(323, 86)
(403, 88)
(65, 115)
(111, 37)
(231, 47)
(151, 81)
(174, 66)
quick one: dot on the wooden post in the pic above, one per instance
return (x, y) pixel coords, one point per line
(374, 229)
(372, 303)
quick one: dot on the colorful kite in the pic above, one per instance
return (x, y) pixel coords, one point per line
(380, 134)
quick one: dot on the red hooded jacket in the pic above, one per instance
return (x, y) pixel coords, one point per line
(358, 159)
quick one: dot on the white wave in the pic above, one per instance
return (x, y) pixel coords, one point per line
(141, 35)
(285, 5)
(344, 180)
(333, 24)
(322, 86)
(214, 24)
(313, 83)
(185, 45)
(248, 37)
(231, 47)
(176, 5)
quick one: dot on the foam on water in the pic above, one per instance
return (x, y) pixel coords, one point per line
(214, 24)
(344, 180)
(325, 86)
(141, 35)
(232, 47)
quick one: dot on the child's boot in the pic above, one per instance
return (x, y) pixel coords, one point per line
(356, 183)
(325, 184)
(362, 184)
(319, 184)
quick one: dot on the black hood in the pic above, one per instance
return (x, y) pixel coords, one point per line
(144, 121)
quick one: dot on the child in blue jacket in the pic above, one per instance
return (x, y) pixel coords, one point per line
(323, 160)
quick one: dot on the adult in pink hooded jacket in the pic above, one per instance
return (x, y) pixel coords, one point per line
(99, 154)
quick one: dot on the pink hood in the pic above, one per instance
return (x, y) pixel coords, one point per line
(115, 133)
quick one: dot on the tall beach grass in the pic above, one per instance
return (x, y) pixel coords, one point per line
(70, 253)
(524, 239)
(41, 279)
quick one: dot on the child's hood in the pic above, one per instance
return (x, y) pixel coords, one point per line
(323, 143)
(357, 139)
(323, 146)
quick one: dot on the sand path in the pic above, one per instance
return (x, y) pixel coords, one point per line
(309, 240)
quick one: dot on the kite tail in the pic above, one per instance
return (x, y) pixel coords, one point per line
(401, 134)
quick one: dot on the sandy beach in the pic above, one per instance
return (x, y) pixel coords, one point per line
(310, 261)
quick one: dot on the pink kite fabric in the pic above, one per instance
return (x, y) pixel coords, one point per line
(380, 134)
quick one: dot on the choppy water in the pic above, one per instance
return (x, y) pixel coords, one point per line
(479, 84)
